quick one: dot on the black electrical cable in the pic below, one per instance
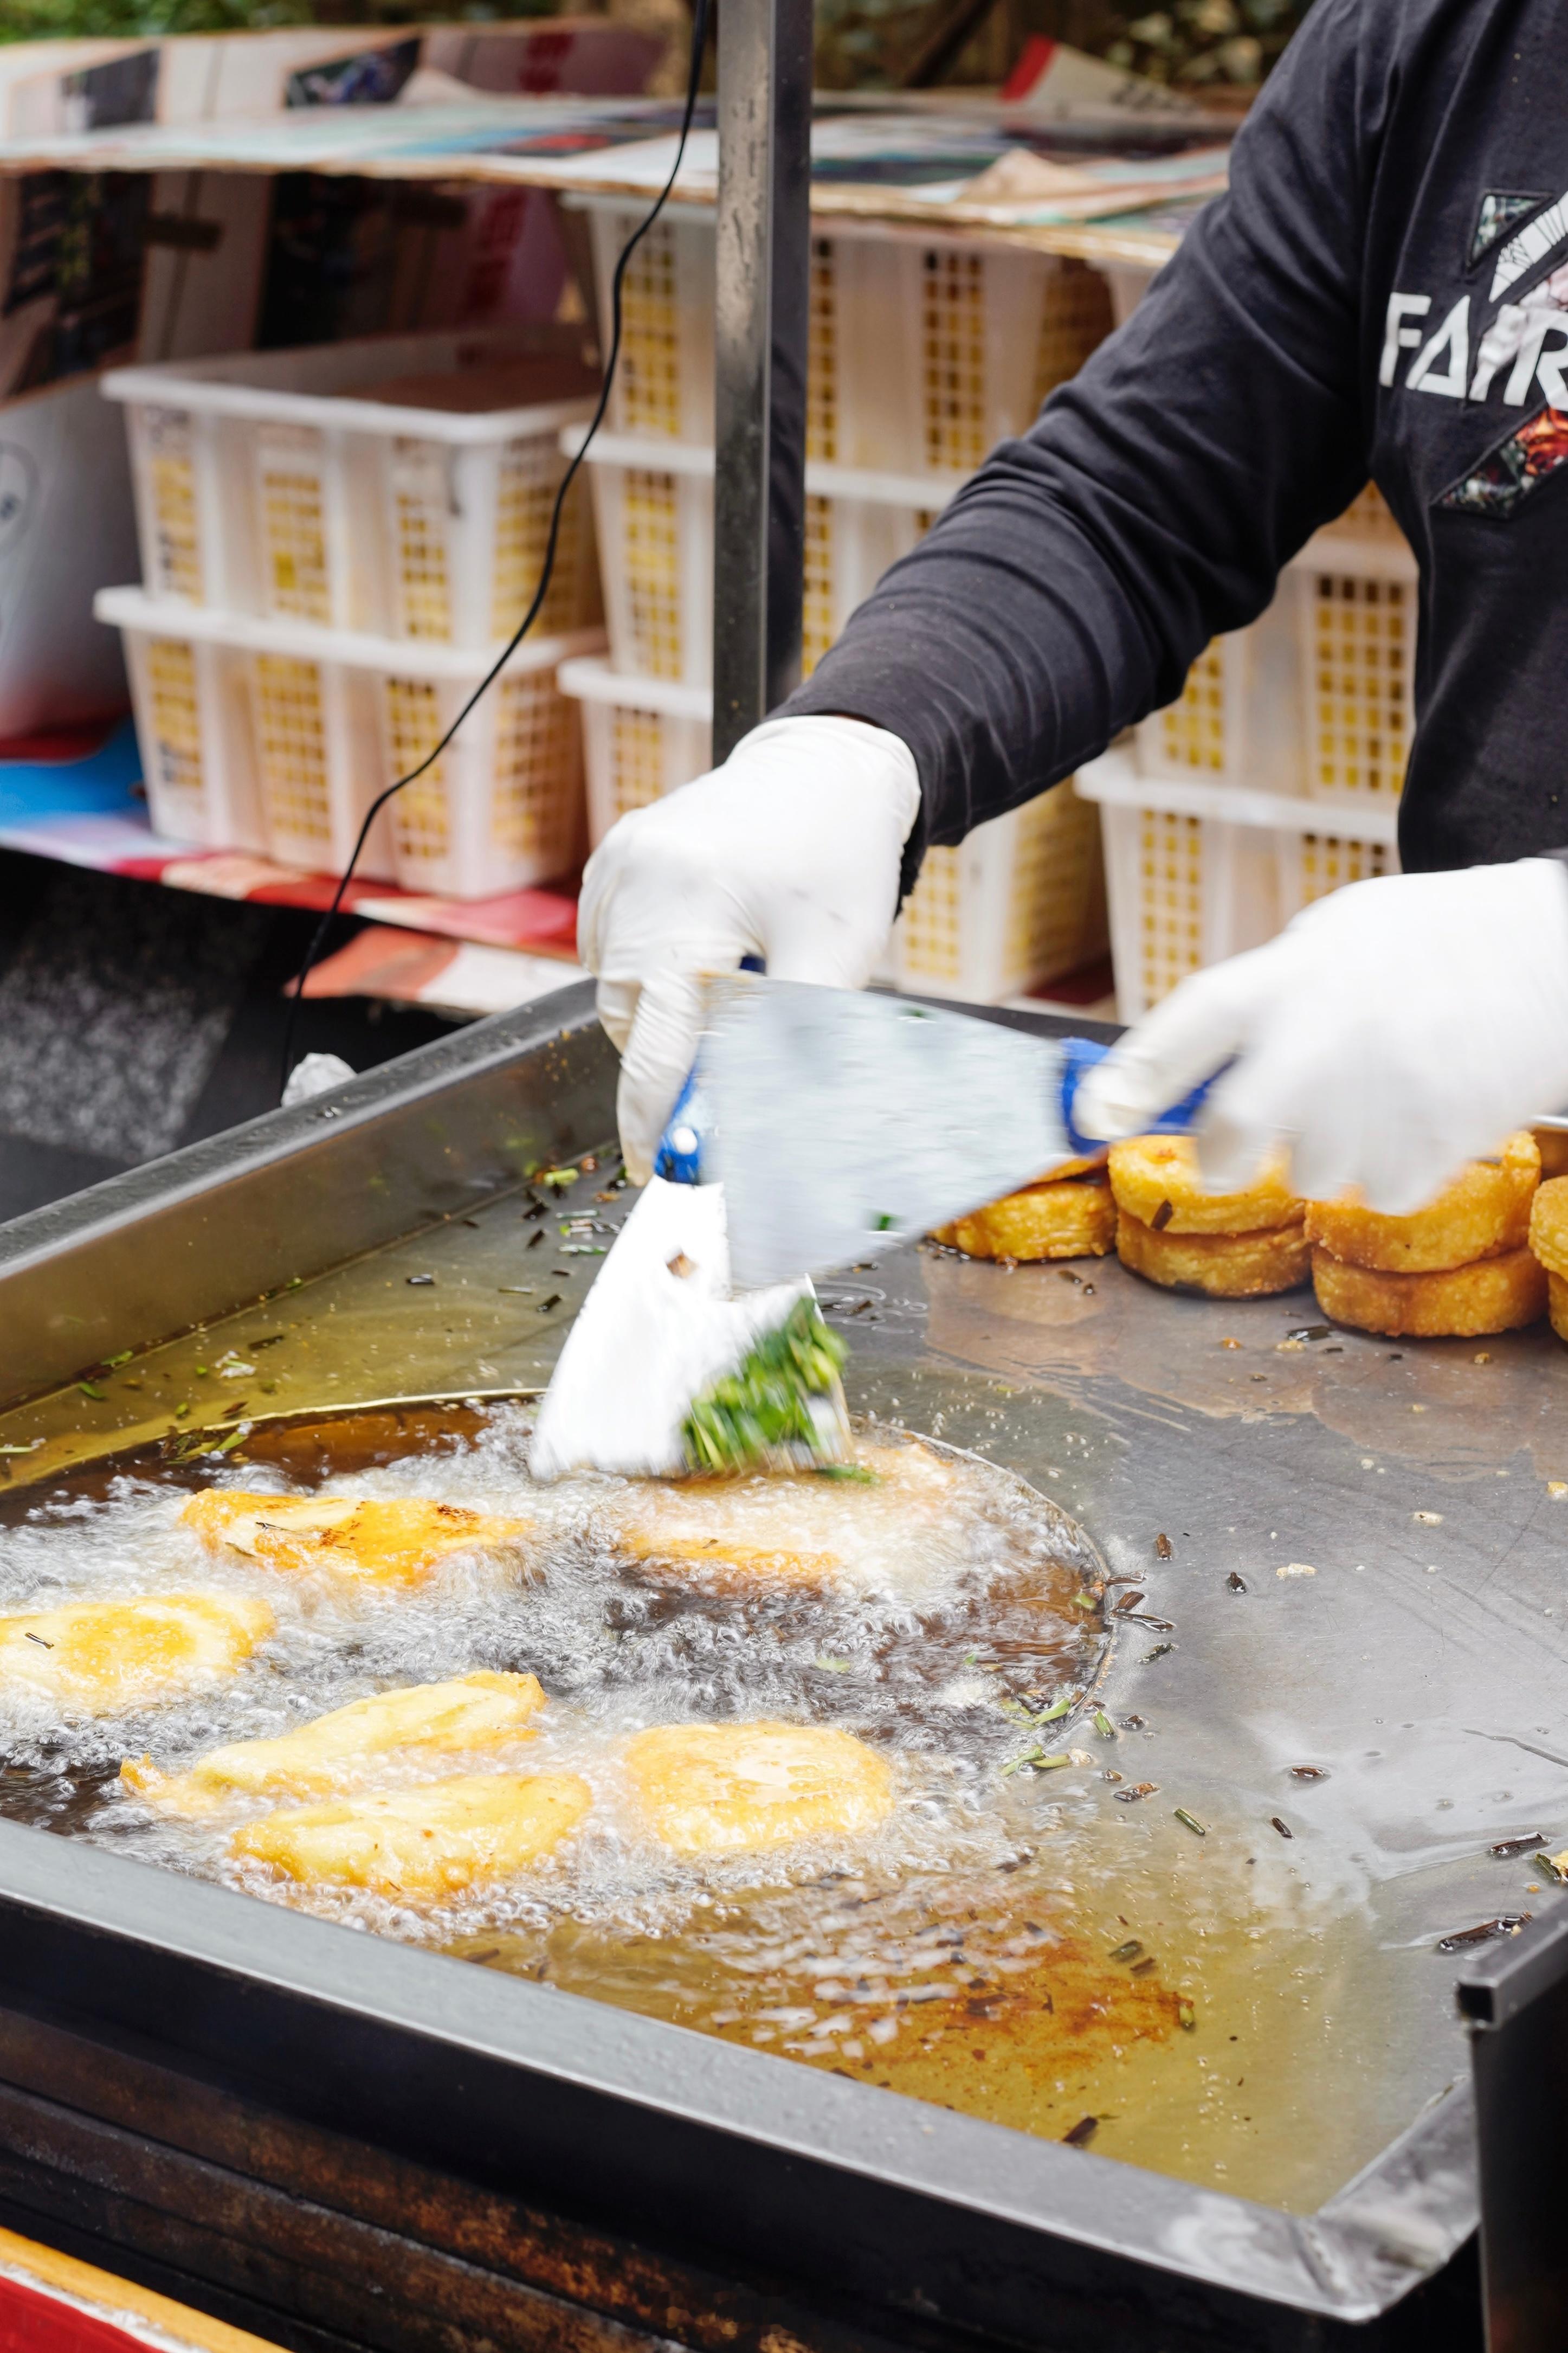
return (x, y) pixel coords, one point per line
(694, 76)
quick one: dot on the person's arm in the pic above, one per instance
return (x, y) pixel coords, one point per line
(1063, 595)
(1070, 586)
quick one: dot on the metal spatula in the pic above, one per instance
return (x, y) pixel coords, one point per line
(841, 1124)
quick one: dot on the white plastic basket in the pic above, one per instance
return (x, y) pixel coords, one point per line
(1316, 698)
(1311, 865)
(1355, 591)
(328, 719)
(1200, 871)
(925, 351)
(1240, 718)
(279, 483)
(1019, 902)
(654, 514)
(641, 738)
(193, 725)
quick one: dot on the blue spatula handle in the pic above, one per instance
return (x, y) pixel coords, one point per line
(1079, 1056)
(679, 1159)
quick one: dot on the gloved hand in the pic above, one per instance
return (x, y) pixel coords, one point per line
(790, 852)
(1392, 1031)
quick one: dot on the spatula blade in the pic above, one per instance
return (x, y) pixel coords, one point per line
(844, 1123)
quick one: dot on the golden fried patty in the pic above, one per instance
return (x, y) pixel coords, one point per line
(434, 1840)
(465, 1717)
(715, 1788)
(1157, 1180)
(1224, 1266)
(1073, 1218)
(1485, 1211)
(391, 1542)
(99, 1657)
(1557, 1303)
(1549, 1225)
(1493, 1294)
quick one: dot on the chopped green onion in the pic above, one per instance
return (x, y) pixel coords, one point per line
(763, 1408)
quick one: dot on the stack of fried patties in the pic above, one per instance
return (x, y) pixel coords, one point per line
(1458, 1268)
(1243, 1245)
(1068, 1214)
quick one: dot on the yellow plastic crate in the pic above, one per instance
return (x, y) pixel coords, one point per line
(641, 738)
(1186, 890)
(1311, 865)
(1202, 732)
(321, 721)
(1359, 656)
(1199, 871)
(278, 483)
(1019, 902)
(193, 726)
(924, 352)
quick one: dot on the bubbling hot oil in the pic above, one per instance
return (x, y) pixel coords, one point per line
(981, 1947)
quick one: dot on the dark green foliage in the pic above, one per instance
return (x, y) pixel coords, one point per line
(51, 20)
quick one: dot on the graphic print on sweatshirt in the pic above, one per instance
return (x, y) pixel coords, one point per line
(1490, 345)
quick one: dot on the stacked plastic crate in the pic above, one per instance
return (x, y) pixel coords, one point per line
(923, 355)
(1276, 776)
(335, 543)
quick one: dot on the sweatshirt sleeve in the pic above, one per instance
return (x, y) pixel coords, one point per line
(1067, 588)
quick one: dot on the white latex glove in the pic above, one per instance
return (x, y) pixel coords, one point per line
(790, 852)
(1392, 1031)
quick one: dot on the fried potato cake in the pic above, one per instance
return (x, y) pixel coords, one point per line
(1224, 1266)
(432, 1841)
(1074, 1219)
(1557, 1302)
(723, 1789)
(100, 1658)
(1484, 1212)
(1157, 1180)
(394, 1541)
(463, 1717)
(1493, 1294)
(1549, 1225)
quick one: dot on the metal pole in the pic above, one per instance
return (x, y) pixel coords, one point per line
(761, 297)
